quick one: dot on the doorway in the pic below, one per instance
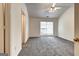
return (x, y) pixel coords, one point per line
(23, 27)
(46, 28)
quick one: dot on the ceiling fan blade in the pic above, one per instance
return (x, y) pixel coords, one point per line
(57, 8)
(54, 4)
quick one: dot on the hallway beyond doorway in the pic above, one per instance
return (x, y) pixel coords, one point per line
(48, 46)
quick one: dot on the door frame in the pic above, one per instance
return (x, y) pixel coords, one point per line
(2, 28)
(23, 28)
(6, 16)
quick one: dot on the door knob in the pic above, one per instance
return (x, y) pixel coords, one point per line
(76, 39)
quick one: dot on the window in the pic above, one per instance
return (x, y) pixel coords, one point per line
(46, 28)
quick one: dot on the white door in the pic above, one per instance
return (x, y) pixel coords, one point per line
(23, 27)
(1, 30)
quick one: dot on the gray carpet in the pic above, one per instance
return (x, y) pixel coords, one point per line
(2, 54)
(48, 46)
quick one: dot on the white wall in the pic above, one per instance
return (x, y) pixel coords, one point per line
(35, 26)
(16, 39)
(66, 24)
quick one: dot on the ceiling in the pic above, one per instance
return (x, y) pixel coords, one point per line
(41, 9)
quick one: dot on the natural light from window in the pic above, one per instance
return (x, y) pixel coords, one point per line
(46, 28)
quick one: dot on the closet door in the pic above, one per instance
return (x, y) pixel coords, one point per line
(1, 30)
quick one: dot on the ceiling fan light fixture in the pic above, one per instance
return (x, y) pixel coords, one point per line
(50, 9)
(53, 8)
(54, 4)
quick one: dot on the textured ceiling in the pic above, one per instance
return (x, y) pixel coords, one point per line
(40, 9)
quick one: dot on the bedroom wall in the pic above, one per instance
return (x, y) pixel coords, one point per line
(16, 39)
(66, 24)
(35, 26)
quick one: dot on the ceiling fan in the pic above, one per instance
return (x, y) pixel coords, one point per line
(53, 8)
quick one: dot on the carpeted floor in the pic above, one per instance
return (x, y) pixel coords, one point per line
(48, 46)
(2, 54)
